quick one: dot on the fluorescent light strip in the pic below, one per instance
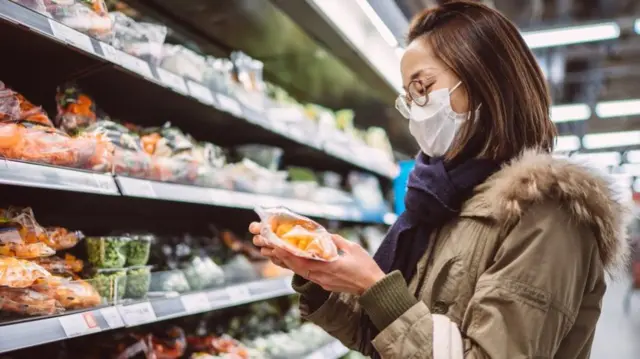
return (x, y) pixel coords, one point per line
(621, 108)
(599, 159)
(382, 28)
(567, 143)
(631, 169)
(637, 26)
(571, 35)
(611, 139)
(633, 156)
(571, 112)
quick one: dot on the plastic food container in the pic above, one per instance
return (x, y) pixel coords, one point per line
(138, 281)
(110, 283)
(202, 273)
(138, 249)
(107, 252)
(169, 281)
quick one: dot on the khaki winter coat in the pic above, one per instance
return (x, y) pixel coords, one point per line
(521, 271)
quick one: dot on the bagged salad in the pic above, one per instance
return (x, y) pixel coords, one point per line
(296, 234)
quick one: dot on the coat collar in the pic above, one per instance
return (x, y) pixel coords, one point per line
(534, 177)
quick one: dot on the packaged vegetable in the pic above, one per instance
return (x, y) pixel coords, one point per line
(67, 266)
(50, 146)
(16, 108)
(26, 250)
(169, 281)
(18, 273)
(296, 234)
(140, 39)
(26, 301)
(138, 281)
(138, 249)
(88, 16)
(71, 294)
(76, 110)
(110, 283)
(107, 252)
(202, 272)
(60, 238)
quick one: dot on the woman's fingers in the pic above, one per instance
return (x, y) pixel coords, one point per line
(260, 241)
(255, 227)
(342, 244)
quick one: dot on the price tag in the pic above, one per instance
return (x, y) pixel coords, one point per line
(172, 80)
(200, 92)
(238, 293)
(230, 105)
(103, 182)
(134, 64)
(139, 188)
(79, 324)
(112, 317)
(196, 302)
(137, 314)
(71, 36)
(110, 53)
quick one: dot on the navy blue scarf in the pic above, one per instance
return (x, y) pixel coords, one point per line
(435, 194)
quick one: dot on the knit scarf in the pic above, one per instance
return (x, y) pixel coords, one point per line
(435, 194)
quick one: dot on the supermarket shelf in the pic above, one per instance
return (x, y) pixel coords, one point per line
(333, 350)
(41, 331)
(41, 176)
(150, 93)
(218, 197)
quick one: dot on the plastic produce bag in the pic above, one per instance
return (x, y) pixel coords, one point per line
(141, 39)
(67, 266)
(18, 273)
(16, 108)
(184, 62)
(21, 236)
(60, 238)
(71, 294)
(88, 16)
(296, 234)
(25, 301)
(76, 110)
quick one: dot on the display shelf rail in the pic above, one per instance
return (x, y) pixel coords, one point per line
(333, 350)
(41, 331)
(141, 81)
(17, 173)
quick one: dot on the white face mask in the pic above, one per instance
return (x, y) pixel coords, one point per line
(434, 125)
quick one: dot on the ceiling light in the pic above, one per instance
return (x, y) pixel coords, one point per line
(382, 28)
(599, 159)
(618, 108)
(611, 139)
(572, 112)
(637, 26)
(571, 35)
(567, 143)
(633, 156)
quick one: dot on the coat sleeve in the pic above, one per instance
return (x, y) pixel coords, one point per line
(339, 314)
(524, 304)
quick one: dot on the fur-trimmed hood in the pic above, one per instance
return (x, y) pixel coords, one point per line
(588, 195)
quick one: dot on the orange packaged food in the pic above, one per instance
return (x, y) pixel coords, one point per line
(21, 236)
(297, 234)
(68, 266)
(16, 108)
(71, 294)
(26, 301)
(60, 238)
(19, 273)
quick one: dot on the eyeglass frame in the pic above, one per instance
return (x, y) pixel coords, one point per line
(402, 103)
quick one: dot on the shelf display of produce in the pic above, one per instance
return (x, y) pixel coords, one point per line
(181, 89)
(132, 166)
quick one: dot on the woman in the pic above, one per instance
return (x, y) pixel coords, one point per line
(503, 249)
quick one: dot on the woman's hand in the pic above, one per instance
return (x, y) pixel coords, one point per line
(265, 249)
(353, 272)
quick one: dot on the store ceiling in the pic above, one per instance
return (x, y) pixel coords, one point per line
(307, 56)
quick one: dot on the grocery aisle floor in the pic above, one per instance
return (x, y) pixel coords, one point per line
(617, 334)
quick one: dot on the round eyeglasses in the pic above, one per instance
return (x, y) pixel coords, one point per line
(416, 94)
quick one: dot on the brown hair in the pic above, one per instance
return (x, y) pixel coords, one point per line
(487, 53)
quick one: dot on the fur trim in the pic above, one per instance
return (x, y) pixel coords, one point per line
(589, 196)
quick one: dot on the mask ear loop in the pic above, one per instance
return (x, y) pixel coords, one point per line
(455, 87)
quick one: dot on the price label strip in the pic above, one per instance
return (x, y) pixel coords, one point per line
(104, 183)
(110, 53)
(200, 92)
(79, 324)
(71, 36)
(137, 188)
(229, 105)
(238, 293)
(112, 317)
(196, 302)
(137, 314)
(134, 64)
(172, 81)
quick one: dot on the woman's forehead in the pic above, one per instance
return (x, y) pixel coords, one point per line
(418, 61)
